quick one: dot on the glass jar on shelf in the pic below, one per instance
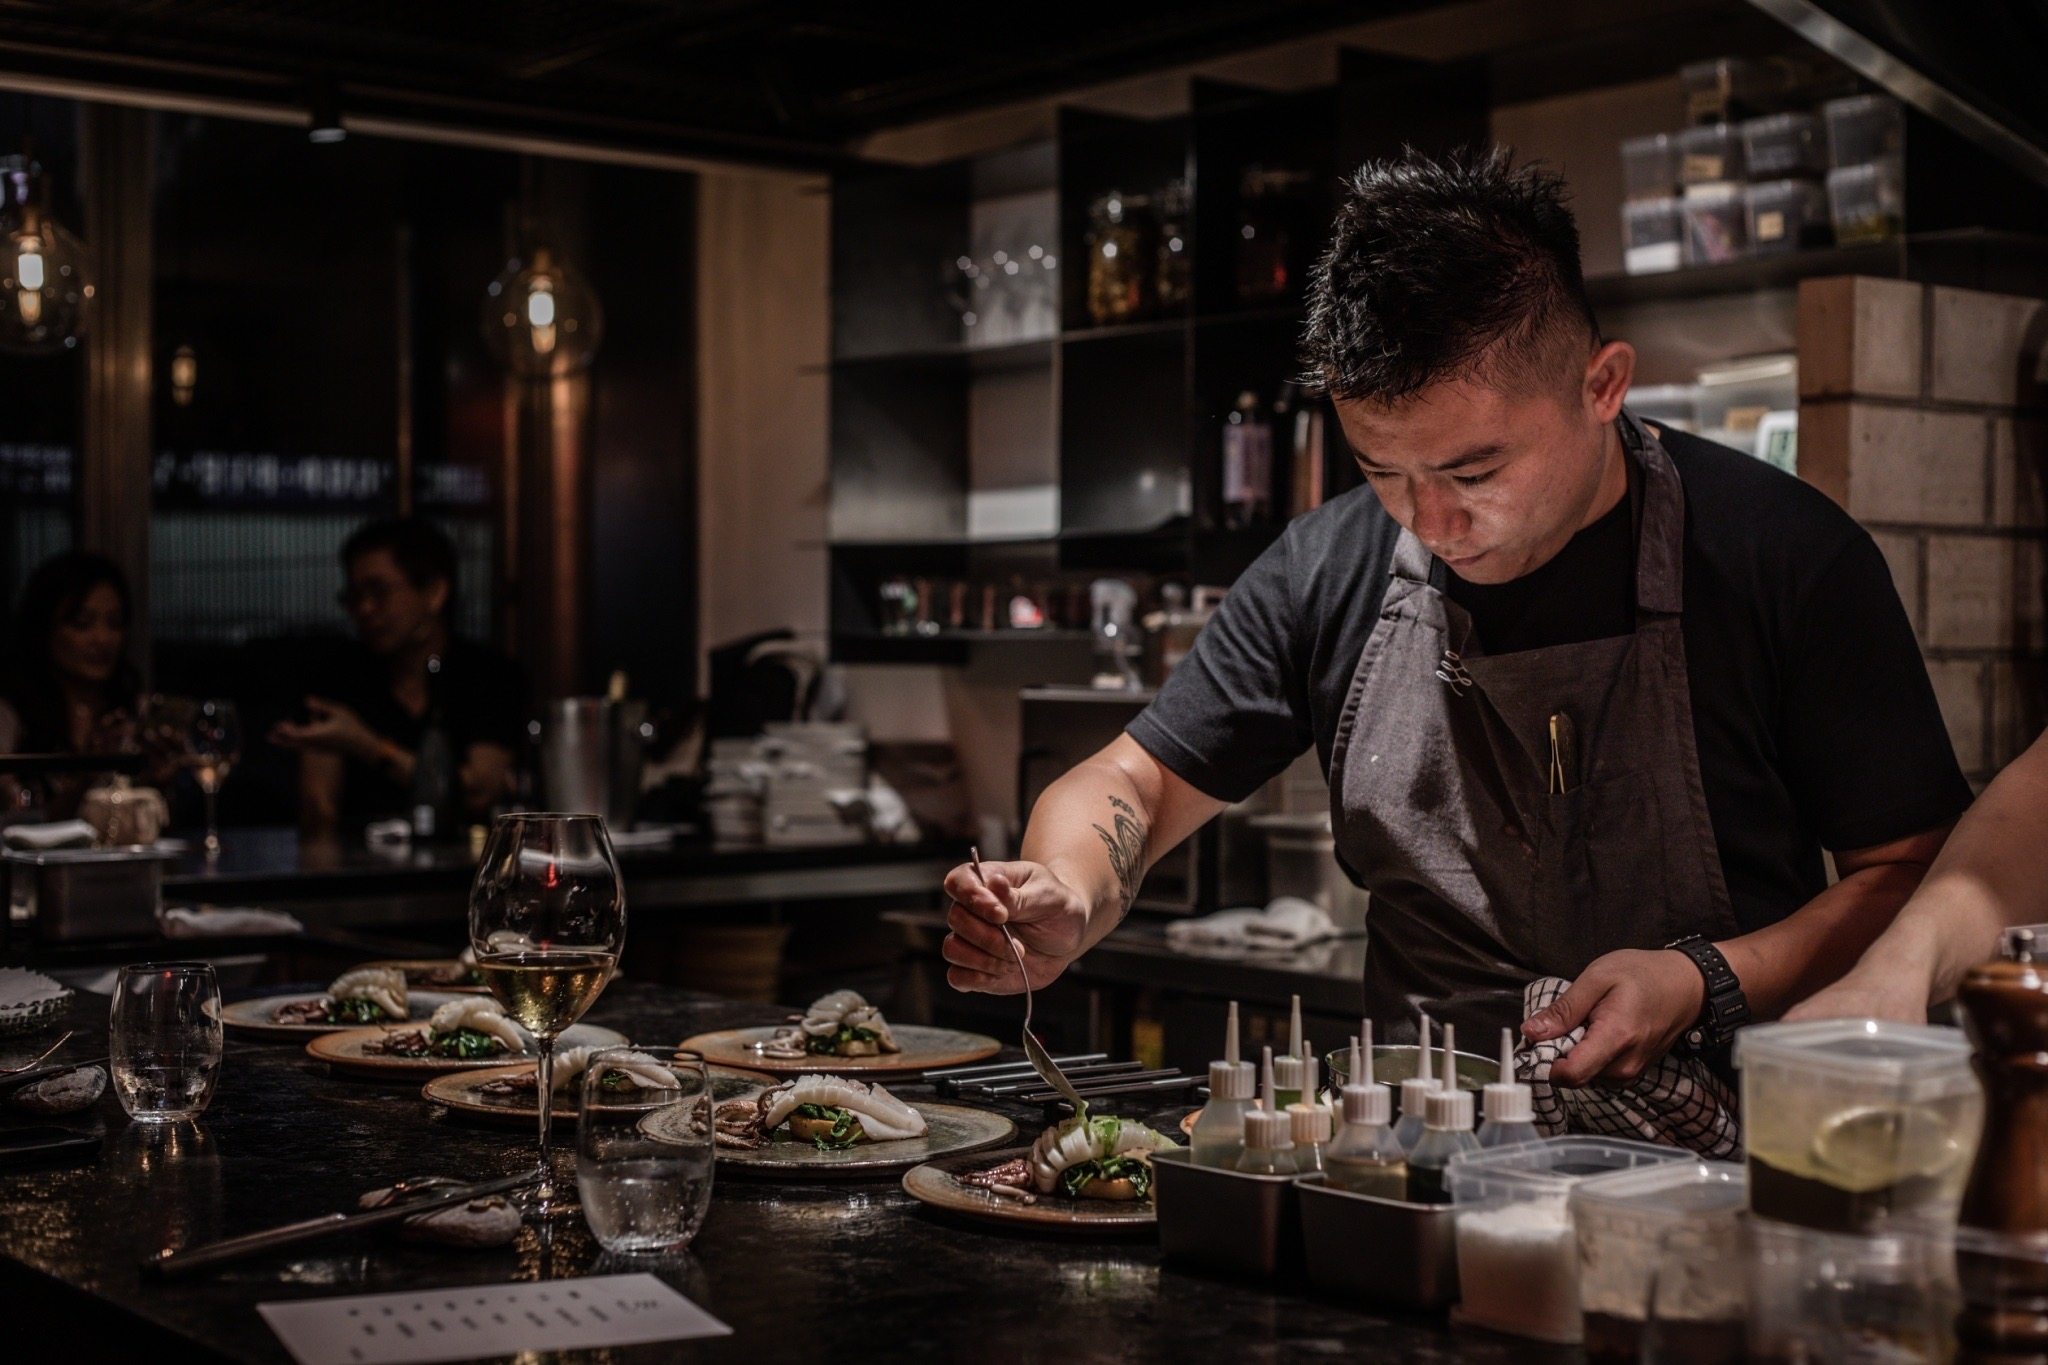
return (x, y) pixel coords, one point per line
(1120, 282)
(1176, 258)
(1272, 214)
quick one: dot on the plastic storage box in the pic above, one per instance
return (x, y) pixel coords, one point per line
(1863, 128)
(1663, 1245)
(1716, 224)
(1710, 154)
(1867, 203)
(1787, 215)
(1723, 88)
(1518, 1259)
(1652, 235)
(1816, 1297)
(1649, 167)
(1856, 1125)
(1779, 145)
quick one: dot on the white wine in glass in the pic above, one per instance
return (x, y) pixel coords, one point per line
(547, 921)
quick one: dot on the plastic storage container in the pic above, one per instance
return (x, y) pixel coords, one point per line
(1855, 1125)
(1662, 1248)
(1786, 215)
(1518, 1259)
(1716, 224)
(1649, 166)
(1867, 203)
(1723, 88)
(1652, 235)
(1863, 128)
(1815, 1297)
(1784, 145)
(1711, 154)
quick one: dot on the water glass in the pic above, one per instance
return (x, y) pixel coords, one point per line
(644, 1157)
(165, 1040)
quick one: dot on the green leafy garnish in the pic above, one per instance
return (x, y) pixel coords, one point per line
(465, 1043)
(845, 1126)
(845, 1035)
(1129, 1167)
(355, 1011)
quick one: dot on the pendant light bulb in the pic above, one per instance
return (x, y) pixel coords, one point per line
(43, 287)
(540, 317)
(184, 375)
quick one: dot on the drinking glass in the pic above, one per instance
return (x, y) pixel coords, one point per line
(643, 1158)
(547, 921)
(205, 738)
(165, 1040)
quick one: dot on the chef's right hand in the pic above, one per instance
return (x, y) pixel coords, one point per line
(1047, 916)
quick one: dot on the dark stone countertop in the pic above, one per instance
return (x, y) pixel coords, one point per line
(827, 1272)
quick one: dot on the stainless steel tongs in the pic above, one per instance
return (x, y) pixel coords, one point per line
(1041, 1060)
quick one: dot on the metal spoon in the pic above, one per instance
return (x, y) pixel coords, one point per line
(1041, 1060)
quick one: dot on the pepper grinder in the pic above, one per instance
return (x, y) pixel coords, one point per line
(2004, 1005)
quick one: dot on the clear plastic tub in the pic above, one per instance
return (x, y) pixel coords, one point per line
(1786, 215)
(1710, 154)
(1863, 128)
(1867, 203)
(1649, 166)
(1518, 1259)
(1856, 1125)
(1716, 224)
(1817, 1297)
(1784, 145)
(1723, 88)
(1652, 235)
(1661, 1249)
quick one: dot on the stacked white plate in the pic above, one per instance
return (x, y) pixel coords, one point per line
(29, 1000)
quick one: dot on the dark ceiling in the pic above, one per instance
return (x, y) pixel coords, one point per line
(760, 80)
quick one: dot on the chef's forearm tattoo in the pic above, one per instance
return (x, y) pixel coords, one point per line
(1126, 850)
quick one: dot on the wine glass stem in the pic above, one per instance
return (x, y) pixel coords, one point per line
(545, 1079)
(212, 819)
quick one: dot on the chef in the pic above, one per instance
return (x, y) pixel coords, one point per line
(1594, 698)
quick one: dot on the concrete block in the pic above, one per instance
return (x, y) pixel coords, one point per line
(2019, 473)
(1914, 467)
(1983, 592)
(1903, 553)
(1860, 336)
(1987, 348)
(1961, 688)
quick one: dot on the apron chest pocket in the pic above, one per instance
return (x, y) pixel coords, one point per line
(1601, 881)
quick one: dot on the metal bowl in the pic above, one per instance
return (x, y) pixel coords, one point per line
(1395, 1063)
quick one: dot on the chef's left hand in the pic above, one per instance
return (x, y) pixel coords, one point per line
(1634, 1005)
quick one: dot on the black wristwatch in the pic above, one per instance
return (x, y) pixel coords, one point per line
(1727, 1008)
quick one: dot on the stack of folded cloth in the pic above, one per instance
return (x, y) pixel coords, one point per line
(207, 921)
(43, 838)
(1288, 923)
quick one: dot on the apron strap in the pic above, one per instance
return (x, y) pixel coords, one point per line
(1660, 543)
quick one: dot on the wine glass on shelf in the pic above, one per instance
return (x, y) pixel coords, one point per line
(547, 921)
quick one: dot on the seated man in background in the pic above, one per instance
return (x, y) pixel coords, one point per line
(360, 745)
(1992, 874)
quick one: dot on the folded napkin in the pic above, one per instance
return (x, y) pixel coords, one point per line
(206, 921)
(387, 833)
(1678, 1102)
(61, 834)
(1289, 922)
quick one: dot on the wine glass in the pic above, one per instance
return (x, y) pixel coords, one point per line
(213, 741)
(547, 921)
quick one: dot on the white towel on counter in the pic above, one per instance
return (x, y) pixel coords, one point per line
(59, 834)
(1288, 923)
(207, 921)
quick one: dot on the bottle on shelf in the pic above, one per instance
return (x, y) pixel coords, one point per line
(1415, 1093)
(1218, 1136)
(436, 814)
(1365, 1157)
(1447, 1131)
(1268, 1132)
(1247, 463)
(1509, 1106)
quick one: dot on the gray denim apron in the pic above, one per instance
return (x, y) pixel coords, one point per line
(1520, 815)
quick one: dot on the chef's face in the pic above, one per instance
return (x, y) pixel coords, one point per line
(1493, 478)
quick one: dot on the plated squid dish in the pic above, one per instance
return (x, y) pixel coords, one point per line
(625, 1075)
(1083, 1157)
(829, 1111)
(838, 1024)
(467, 1030)
(367, 995)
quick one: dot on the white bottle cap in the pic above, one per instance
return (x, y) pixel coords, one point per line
(1415, 1093)
(1268, 1132)
(1369, 1105)
(1232, 1080)
(1449, 1111)
(1310, 1125)
(1287, 1073)
(1507, 1100)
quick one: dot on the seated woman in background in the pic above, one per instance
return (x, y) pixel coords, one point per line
(1992, 874)
(360, 744)
(70, 687)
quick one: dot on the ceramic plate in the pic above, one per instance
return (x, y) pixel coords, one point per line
(950, 1128)
(934, 1184)
(923, 1049)
(463, 1092)
(421, 971)
(345, 1052)
(255, 1016)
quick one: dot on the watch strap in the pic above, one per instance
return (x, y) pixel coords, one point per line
(1725, 1009)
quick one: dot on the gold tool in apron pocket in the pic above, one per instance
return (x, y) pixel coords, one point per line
(1564, 754)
